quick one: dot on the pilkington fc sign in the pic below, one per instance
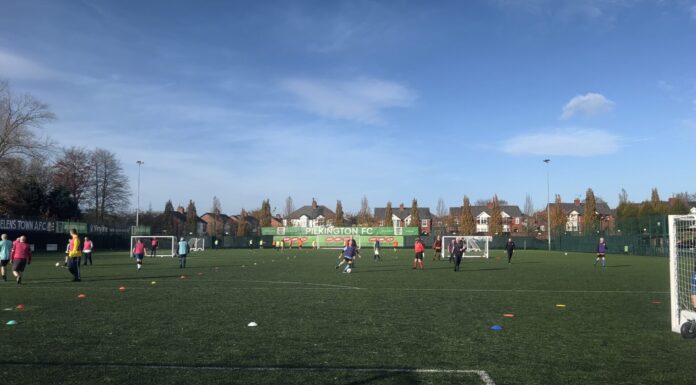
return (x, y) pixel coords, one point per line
(356, 231)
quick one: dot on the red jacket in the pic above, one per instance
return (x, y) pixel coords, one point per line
(419, 247)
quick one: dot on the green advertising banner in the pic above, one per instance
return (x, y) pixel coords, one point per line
(337, 241)
(340, 231)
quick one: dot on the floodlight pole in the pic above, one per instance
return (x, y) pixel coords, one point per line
(137, 208)
(548, 203)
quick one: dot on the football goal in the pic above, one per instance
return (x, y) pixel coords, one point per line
(682, 272)
(196, 244)
(476, 245)
(166, 245)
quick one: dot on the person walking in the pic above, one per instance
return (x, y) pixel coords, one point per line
(437, 249)
(5, 250)
(509, 248)
(87, 251)
(20, 256)
(458, 251)
(139, 253)
(183, 252)
(450, 249)
(74, 255)
(377, 247)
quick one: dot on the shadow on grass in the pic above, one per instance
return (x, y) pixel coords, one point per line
(612, 266)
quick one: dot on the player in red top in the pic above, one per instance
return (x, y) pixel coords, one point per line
(419, 248)
(437, 247)
(20, 258)
(153, 246)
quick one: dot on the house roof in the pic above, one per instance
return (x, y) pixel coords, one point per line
(250, 219)
(312, 212)
(181, 217)
(223, 217)
(423, 212)
(601, 207)
(513, 211)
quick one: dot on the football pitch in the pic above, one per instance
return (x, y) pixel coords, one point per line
(382, 324)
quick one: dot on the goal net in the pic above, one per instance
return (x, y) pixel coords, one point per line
(166, 245)
(682, 270)
(476, 245)
(196, 244)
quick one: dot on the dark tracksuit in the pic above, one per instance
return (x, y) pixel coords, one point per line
(509, 247)
(458, 252)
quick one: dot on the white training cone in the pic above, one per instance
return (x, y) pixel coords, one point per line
(252, 324)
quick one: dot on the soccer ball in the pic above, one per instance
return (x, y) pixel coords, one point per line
(349, 270)
(57, 264)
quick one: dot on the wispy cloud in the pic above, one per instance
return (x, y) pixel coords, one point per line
(587, 105)
(13, 66)
(361, 100)
(566, 142)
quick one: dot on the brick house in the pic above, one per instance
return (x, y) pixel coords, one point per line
(512, 218)
(222, 225)
(314, 215)
(401, 217)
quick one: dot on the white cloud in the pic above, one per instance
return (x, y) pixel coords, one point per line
(568, 142)
(588, 105)
(16, 67)
(361, 100)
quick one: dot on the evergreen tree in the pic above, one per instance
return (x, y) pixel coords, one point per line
(467, 222)
(415, 217)
(191, 219)
(338, 221)
(265, 216)
(388, 215)
(242, 226)
(590, 217)
(495, 226)
(167, 221)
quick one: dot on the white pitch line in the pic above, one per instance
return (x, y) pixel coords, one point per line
(482, 374)
(297, 283)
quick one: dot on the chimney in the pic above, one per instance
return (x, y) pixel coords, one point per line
(489, 204)
(314, 203)
(577, 202)
(401, 206)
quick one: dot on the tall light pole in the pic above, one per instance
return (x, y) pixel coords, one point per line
(137, 208)
(548, 202)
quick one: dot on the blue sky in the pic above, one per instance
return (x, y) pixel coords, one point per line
(391, 100)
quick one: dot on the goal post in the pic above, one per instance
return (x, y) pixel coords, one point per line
(682, 272)
(166, 246)
(196, 244)
(476, 245)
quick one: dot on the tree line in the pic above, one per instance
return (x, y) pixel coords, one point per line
(42, 180)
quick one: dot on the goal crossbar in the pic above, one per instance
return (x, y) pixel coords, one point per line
(476, 245)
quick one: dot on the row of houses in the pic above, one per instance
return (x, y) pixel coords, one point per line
(514, 221)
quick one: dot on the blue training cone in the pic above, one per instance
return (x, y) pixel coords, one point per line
(11, 322)
(496, 328)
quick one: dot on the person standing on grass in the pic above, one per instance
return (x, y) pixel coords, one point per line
(183, 252)
(450, 249)
(601, 253)
(139, 253)
(437, 249)
(458, 250)
(510, 248)
(74, 255)
(5, 250)
(395, 244)
(154, 243)
(87, 250)
(377, 247)
(419, 249)
(251, 244)
(20, 258)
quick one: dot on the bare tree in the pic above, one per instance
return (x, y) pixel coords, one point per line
(528, 206)
(364, 216)
(388, 215)
(289, 207)
(217, 226)
(109, 190)
(441, 209)
(19, 114)
(338, 220)
(69, 172)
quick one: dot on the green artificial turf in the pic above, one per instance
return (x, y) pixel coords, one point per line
(317, 325)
